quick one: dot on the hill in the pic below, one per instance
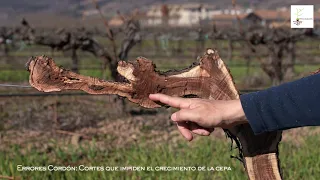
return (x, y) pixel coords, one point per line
(73, 8)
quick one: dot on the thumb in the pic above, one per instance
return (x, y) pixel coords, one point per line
(185, 115)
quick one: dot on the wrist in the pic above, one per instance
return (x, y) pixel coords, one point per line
(234, 113)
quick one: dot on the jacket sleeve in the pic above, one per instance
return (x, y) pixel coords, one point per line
(290, 105)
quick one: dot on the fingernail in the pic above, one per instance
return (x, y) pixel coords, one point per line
(152, 95)
(205, 134)
(189, 139)
(174, 117)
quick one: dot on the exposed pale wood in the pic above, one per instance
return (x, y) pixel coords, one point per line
(267, 163)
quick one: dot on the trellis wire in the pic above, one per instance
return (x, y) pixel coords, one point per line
(39, 94)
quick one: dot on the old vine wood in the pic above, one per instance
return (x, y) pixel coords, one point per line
(209, 78)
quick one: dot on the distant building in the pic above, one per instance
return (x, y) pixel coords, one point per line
(264, 17)
(317, 18)
(252, 19)
(90, 12)
(115, 21)
(179, 14)
(272, 18)
(227, 19)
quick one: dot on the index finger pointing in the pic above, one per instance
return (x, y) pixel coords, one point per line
(176, 102)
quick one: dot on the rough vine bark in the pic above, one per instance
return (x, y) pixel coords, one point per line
(132, 37)
(278, 42)
(200, 42)
(209, 78)
(6, 36)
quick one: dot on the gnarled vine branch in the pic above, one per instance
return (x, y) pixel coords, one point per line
(209, 78)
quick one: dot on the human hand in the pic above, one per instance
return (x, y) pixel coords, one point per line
(201, 116)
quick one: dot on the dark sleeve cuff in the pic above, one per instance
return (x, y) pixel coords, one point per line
(251, 111)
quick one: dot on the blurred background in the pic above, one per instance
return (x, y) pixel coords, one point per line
(253, 37)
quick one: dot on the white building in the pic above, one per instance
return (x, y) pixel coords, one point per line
(180, 14)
